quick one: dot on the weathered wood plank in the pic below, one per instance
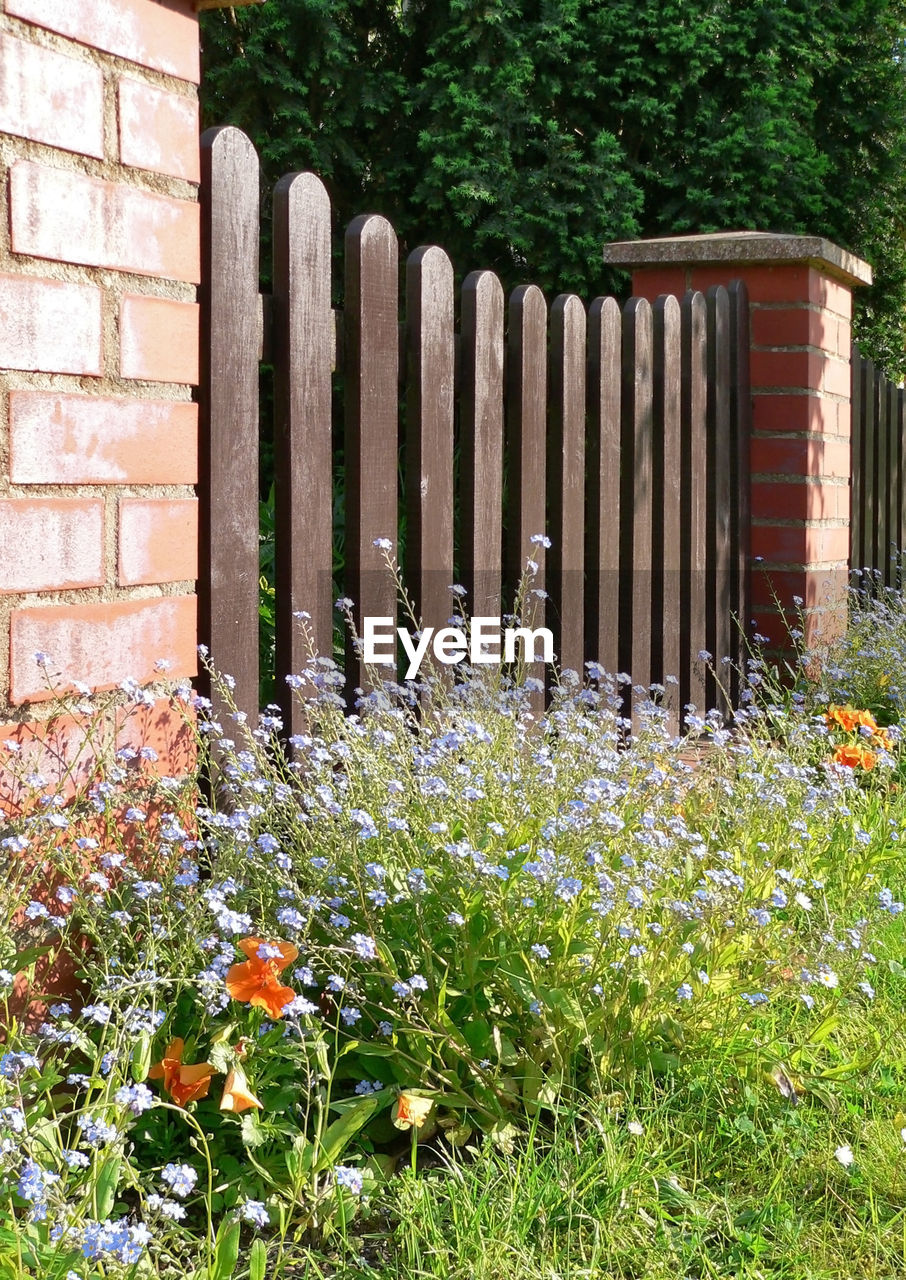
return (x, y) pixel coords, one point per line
(637, 492)
(667, 498)
(719, 550)
(856, 554)
(429, 434)
(602, 546)
(526, 453)
(228, 412)
(740, 483)
(892, 434)
(303, 332)
(693, 598)
(869, 464)
(481, 433)
(566, 465)
(371, 332)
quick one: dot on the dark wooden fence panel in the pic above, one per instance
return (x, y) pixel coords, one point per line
(668, 486)
(878, 481)
(694, 447)
(622, 435)
(429, 434)
(371, 331)
(228, 412)
(637, 498)
(303, 339)
(566, 577)
(602, 502)
(481, 436)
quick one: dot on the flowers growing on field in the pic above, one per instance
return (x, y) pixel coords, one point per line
(453, 915)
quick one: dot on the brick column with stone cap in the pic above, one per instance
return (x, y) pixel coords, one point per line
(800, 295)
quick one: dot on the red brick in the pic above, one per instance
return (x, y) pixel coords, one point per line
(651, 282)
(161, 36)
(68, 109)
(47, 544)
(158, 130)
(776, 411)
(166, 729)
(784, 283)
(837, 378)
(814, 587)
(844, 339)
(101, 644)
(50, 326)
(76, 439)
(785, 369)
(59, 214)
(158, 339)
(794, 327)
(158, 540)
(800, 544)
(799, 457)
(817, 501)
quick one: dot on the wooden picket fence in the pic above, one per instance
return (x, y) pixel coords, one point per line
(878, 476)
(620, 432)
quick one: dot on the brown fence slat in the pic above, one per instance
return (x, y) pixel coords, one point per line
(481, 434)
(901, 495)
(567, 481)
(665, 638)
(893, 480)
(303, 333)
(228, 411)
(371, 332)
(693, 597)
(869, 464)
(740, 482)
(526, 425)
(602, 545)
(856, 553)
(429, 434)
(637, 494)
(882, 462)
(719, 552)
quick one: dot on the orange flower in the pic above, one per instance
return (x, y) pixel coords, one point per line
(184, 1083)
(410, 1111)
(236, 1093)
(256, 981)
(851, 757)
(846, 717)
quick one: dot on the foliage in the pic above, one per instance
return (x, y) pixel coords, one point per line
(523, 135)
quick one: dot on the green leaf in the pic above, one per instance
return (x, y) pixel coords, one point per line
(337, 1136)
(141, 1058)
(105, 1188)
(226, 1250)
(257, 1260)
(252, 1133)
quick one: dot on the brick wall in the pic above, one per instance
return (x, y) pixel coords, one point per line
(99, 262)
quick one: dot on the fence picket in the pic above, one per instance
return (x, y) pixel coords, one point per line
(740, 481)
(869, 469)
(893, 480)
(228, 412)
(481, 433)
(429, 434)
(637, 495)
(602, 546)
(526, 449)
(567, 478)
(856, 552)
(667, 494)
(303, 336)
(719, 549)
(694, 445)
(371, 332)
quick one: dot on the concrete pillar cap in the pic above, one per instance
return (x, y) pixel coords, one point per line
(747, 248)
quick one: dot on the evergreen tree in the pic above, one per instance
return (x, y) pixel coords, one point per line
(524, 134)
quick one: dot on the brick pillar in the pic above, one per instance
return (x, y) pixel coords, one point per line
(99, 263)
(800, 292)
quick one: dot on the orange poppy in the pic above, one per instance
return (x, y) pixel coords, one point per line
(410, 1111)
(256, 981)
(237, 1096)
(184, 1083)
(851, 757)
(846, 717)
